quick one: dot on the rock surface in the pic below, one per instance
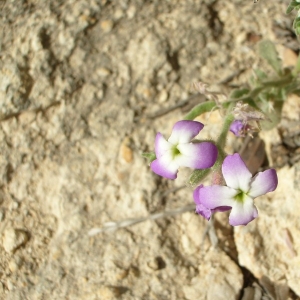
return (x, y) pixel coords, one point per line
(82, 87)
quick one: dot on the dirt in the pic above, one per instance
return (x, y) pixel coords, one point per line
(82, 88)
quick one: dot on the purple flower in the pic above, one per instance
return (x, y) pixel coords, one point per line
(239, 193)
(179, 151)
(203, 210)
(237, 128)
(241, 129)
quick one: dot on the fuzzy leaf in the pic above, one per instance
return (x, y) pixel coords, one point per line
(274, 115)
(238, 93)
(268, 52)
(293, 5)
(200, 109)
(260, 74)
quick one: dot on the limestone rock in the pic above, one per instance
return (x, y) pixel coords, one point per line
(269, 246)
(219, 278)
(13, 239)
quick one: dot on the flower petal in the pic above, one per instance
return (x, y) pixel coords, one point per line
(221, 209)
(165, 166)
(197, 155)
(216, 195)
(236, 128)
(196, 193)
(243, 212)
(203, 210)
(184, 131)
(161, 145)
(235, 173)
(263, 182)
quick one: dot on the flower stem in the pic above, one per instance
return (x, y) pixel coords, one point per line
(221, 141)
(200, 109)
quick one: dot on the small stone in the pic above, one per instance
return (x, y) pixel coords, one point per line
(15, 264)
(106, 293)
(125, 151)
(10, 285)
(13, 239)
(14, 205)
(162, 96)
(131, 12)
(289, 58)
(107, 25)
(103, 72)
(118, 14)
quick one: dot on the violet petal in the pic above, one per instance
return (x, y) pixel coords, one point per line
(216, 195)
(235, 173)
(263, 182)
(197, 155)
(184, 131)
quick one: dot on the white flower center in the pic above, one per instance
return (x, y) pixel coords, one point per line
(175, 151)
(240, 196)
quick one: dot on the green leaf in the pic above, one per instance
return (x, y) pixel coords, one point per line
(260, 74)
(238, 93)
(273, 114)
(268, 52)
(200, 109)
(296, 25)
(150, 156)
(293, 5)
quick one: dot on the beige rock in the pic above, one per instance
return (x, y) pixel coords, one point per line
(291, 108)
(289, 57)
(219, 278)
(103, 72)
(13, 239)
(15, 264)
(269, 246)
(125, 151)
(107, 25)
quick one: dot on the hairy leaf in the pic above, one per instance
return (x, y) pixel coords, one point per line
(268, 52)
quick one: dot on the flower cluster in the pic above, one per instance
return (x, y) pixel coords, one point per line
(240, 188)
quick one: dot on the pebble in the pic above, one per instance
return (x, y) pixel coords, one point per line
(106, 293)
(289, 57)
(10, 285)
(131, 12)
(163, 96)
(125, 151)
(14, 205)
(13, 239)
(107, 25)
(15, 264)
(103, 72)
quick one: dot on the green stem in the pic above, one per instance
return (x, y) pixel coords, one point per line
(200, 109)
(197, 176)
(276, 83)
(221, 141)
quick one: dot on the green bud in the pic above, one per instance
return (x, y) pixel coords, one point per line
(150, 156)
